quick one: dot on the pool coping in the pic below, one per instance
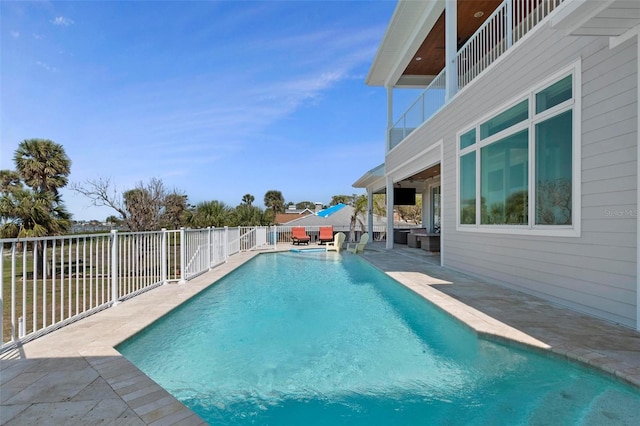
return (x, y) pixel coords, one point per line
(75, 376)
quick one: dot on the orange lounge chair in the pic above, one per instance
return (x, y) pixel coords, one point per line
(299, 235)
(326, 234)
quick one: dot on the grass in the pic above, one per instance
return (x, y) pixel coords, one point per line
(78, 280)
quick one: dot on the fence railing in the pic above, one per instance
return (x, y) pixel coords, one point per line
(509, 23)
(49, 282)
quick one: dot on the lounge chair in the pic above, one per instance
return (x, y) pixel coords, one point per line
(336, 244)
(359, 246)
(326, 234)
(299, 235)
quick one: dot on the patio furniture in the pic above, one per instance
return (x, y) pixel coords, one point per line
(359, 246)
(413, 237)
(430, 242)
(326, 234)
(336, 244)
(299, 235)
(400, 236)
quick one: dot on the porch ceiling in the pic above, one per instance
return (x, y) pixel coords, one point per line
(396, 62)
(416, 180)
(432, 50)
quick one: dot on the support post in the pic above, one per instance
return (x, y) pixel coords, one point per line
(389, 244)
(389, 116)
(370, 213)
(451, 49)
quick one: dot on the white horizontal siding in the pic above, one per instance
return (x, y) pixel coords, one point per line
(596, 272)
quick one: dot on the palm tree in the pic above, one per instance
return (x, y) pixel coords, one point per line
(248, 199)
(274, 200)
(359, 209)
(247, 215)
(211, 213)
(42, 164)
(27, 213)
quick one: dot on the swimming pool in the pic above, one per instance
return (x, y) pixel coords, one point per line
(322, 338)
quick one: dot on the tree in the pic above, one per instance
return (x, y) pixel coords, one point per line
(37, 210)
(211, 213)
(274, 200)
(43, 166)
(141, 208)
(248, 215)
(113, 220)
(175, 212)
(305, 205)
(359, 209)
(248, 199)
(341, 199)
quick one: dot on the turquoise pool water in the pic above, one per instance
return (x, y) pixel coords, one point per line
(326, 339)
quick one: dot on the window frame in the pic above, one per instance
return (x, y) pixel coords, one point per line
(573, 104)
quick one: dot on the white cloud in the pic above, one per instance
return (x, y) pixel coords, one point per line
(47, 67)
(62, 21)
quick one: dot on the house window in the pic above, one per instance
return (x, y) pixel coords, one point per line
(504, 167)
(553, 170)
(468, 188)
(517, 167)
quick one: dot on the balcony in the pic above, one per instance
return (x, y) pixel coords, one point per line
(502, 30)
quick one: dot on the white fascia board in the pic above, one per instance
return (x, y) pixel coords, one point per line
(618, 40)
(371, 177)
(410, 24)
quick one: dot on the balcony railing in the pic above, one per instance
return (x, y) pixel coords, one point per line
(49, 282)
(509, 23)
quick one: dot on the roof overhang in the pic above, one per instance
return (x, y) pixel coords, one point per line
(372, 178)
(410, 24)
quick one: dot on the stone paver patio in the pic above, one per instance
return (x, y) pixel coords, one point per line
(74, 376)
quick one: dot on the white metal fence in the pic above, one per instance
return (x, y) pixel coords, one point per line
(49, 282)
(509, 23)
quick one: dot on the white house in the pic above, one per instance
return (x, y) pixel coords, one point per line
(526, 135)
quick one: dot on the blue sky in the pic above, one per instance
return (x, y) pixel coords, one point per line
(217, 99)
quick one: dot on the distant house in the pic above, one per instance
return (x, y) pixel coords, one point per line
(524, 142)
(288, 216)
(339, 217)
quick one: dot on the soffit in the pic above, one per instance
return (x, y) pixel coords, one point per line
(601, 18)
(417, 30)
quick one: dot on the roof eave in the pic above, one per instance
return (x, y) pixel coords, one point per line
(409, 26)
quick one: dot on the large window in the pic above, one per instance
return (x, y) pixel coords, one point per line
(517, 167)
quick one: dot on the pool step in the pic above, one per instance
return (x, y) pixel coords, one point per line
(613, 407)
(562, 406)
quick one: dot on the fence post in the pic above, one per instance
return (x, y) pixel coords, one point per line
(114, 267)
(275, 236)
(164, 267)
(226, 243)
(210, 250)
(183, 255)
